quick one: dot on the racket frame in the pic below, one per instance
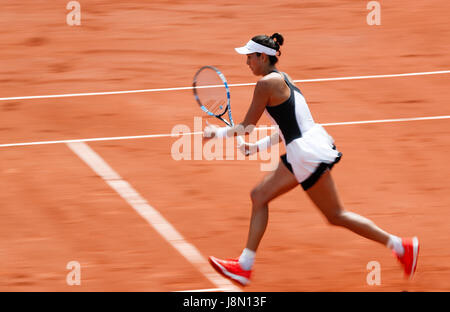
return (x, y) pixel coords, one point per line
(227, 89)
(230, 123)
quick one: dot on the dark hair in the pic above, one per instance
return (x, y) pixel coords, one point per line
(274, 42)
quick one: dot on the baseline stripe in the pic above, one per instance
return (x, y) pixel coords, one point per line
(150, 214)
(230, 85)
(385, 121)
(149, 136)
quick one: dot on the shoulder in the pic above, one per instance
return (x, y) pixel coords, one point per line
(271, 81)
(274, 77)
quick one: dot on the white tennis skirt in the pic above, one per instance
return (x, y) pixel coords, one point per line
(310, 155)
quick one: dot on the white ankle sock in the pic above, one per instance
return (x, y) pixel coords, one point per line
(247, 259)
(395, 243)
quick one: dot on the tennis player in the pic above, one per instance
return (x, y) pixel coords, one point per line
(310, 155)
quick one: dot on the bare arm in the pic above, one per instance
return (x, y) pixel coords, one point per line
(261, 96)
(260, 99)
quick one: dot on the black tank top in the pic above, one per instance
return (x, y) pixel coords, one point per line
(284, 114)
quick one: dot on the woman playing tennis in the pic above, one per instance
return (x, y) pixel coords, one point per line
(310, 155)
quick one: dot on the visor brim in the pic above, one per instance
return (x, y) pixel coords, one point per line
(243, 50)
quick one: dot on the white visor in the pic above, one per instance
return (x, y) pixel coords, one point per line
(253, 47)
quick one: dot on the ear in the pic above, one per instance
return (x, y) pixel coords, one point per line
(265, 58)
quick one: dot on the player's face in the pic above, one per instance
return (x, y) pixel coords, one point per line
(255, 63)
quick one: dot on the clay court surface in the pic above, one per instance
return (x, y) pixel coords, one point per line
(56, 209)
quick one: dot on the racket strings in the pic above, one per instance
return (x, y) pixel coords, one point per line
(217, 107)
(211, 91)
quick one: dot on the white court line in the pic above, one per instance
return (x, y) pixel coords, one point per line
(230, 85)
(150, 136)
(385, 120)
(150, 214)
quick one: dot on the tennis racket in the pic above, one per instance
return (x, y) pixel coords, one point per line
(213, 95)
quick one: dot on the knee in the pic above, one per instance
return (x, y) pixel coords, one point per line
(257, 197)
(336, 219)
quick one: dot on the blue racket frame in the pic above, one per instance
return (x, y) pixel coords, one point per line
(228, 108)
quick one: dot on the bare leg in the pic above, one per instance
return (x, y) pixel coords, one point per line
(324, 195)
(276, 183)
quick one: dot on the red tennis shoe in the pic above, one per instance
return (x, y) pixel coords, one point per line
(410, 256)
(231, 269)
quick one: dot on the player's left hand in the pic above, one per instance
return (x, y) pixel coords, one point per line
(210, 131)
(248, 148)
